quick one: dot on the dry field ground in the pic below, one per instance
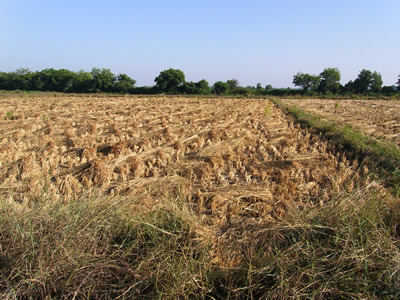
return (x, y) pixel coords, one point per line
(238, 162)
(232, 167)
(377, 118)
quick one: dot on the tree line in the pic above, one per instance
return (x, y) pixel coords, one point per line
(172, 81)
(98, 80)
(328, 82)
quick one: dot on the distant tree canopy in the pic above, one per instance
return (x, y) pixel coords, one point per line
(170, 80)
(124, 83)
(389, 90)
(82, 82)
(398, 84)
(233, 84)
(268, 88)
(309, 83)
(62, 80)
(202, 87)
(366, 82)
(103, 80)
(173, 81)
(220, 88)
(329, 81)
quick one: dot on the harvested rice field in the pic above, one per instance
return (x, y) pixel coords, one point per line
(376, 118)
(234, 171)
(235, 161)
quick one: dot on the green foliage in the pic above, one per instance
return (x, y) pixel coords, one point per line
(367, 82)
(173, 81)
(203, 87)
(169, 81)
(124, 84)
(52, 80)
(349, 87)
(98, 80)
(389, 90)
(309, 83)
(376, 83)
(329, 81)
(267, 110)
(200, 88)
(20, 79)
(268, 88)
(82, 82)
(9, 116)
(102, 80)
(398, 84)
(220, 88)
(144, 90)
(233, 84)
(259, 89)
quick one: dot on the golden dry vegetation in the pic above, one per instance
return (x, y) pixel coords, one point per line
(376, 118)
(238, 163)
(104, 197)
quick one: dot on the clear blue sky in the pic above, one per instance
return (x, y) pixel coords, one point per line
(252, 41)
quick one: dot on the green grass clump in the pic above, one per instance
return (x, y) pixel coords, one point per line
(9, 116)
(267, 110)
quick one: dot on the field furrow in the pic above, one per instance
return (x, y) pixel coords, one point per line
(376, 118)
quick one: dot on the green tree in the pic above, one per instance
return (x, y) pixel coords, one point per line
(19, 79)
(22, 78)
(233, 84)
(170, 80)
(220, 87)
(189, 87)
(362, 82)
(124, 84)
(329, 81)
(376, 83)
(55, 80)
(35, 81)
(309, 83)
(244, 91)
(398, 84)
(203, 87)
(82, 82)
(5, 81)
(259, 88)
(389, 90)
(349, 87)
(268, 88)
(102, 80)
(367, 82)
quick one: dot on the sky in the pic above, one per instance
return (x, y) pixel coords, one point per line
(252, 41)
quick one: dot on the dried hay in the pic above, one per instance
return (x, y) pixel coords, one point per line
(230, 173)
